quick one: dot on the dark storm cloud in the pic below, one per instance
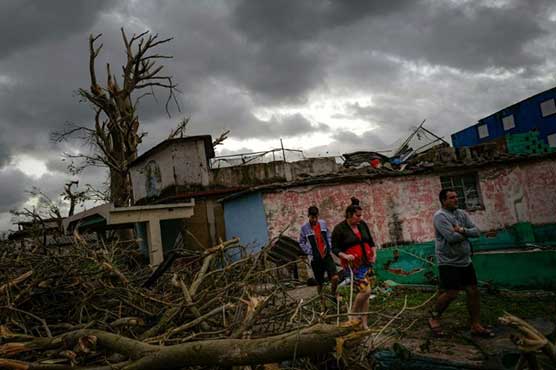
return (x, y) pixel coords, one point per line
(289, 54)
(243, 124)
(291, 125)
(38, 95)
(24, 23)
(346, 142)
(294, 21)
(465, 35)
(450, 62)
(12, 183)
(369, 140)
(479, 38)
(4, 151)
(16, 187)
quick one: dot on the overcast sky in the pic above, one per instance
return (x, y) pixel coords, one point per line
(328, 77)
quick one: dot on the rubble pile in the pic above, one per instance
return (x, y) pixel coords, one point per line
(98, 306)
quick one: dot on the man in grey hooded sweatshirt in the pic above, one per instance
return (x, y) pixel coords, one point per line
(453, 227)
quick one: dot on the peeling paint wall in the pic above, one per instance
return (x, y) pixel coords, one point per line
(520, 193)
(404, 206)
(179, 164)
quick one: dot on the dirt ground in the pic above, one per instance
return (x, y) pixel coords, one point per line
(410, 333)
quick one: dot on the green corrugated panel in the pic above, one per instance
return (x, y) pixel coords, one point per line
(517, 145)
(518, 151)
(523, 139)
(528, 269)
(504, 239)
(524, 232)
(522, 270)
(545, 234)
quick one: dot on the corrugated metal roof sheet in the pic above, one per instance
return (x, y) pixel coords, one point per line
(284, 250)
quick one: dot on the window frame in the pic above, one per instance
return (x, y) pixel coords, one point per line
(504, 122)
(479, 129)
(553, 109)
(457, 182)
(549, 139)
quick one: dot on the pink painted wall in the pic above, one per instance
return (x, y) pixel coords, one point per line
(523, 192)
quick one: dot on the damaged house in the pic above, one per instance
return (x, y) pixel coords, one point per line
(507, 184)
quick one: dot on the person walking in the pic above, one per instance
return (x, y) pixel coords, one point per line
(453, 227)
(314, 239)
(353, 243)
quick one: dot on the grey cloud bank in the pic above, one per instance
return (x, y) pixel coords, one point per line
(360, 73)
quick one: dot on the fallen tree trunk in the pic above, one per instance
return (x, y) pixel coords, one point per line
(317, 339)
(529, 342)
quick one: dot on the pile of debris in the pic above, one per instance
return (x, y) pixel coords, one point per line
(96, 306)
(421, 147)
(89, 306)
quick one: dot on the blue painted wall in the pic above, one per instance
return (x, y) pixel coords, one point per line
(527, 116)
(244, 217)
(465, 137)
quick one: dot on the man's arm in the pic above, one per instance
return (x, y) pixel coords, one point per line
(445, 228)
(328, 234)
(304, 243)
(469, 228)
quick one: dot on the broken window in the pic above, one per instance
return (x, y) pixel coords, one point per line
(552, 140)
(508, 122)
(548, 107)
(467, 188)
(483, 131)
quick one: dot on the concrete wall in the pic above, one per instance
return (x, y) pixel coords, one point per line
(265, 173)
(402, 208)
(313, 167)
(178, 164)
(185, 163)
(253, 174)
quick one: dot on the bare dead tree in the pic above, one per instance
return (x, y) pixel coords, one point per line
(182, 126)
(45, 209)
(115, 135)
(180, 129)
(220, 140)
(530, 342)
(72, 196)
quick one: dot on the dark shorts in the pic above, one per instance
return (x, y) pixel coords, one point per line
(320, 266)
(456, 278)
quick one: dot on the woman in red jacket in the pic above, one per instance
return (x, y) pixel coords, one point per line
(353, 244)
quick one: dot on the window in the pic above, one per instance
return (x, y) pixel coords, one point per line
(548, 107)
(552, 140)
(508, 122)
(483, 131)
(467, 187)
